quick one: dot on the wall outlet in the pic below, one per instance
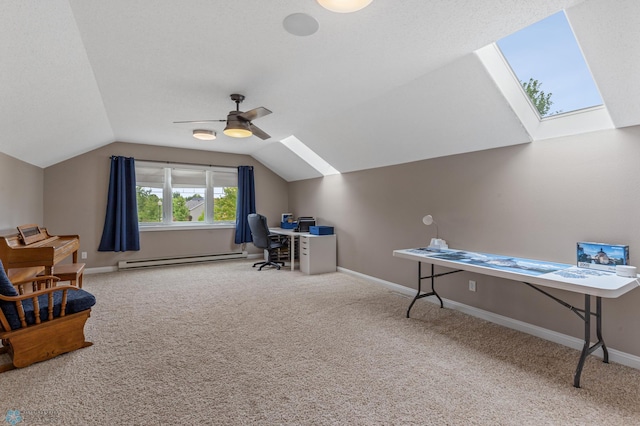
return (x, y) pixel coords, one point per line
(83, 255)
(472, 285)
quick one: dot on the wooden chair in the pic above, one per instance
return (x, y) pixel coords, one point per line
(43, 323)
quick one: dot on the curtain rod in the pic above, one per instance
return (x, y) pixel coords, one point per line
(178, 163)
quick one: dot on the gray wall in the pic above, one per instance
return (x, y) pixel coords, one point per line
(534, 200)
(21, 186)
(75, 198)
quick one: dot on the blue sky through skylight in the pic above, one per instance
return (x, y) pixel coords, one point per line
(547, 51)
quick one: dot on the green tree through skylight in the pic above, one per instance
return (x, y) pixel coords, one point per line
(541, 100)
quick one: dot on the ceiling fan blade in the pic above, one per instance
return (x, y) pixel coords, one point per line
(258, 132)
(201, 121)
(255, 113)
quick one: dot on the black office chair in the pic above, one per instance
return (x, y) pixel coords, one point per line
(263, 239)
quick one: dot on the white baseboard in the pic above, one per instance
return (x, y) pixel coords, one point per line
(105, 269)
(617, 356)
(101, 270)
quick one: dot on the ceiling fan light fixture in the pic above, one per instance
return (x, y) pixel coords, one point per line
(237, 133)
(344, 6)
(204, 135)
(239, 124)
(237, 129)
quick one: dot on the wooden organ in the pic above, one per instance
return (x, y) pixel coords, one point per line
(33, 251)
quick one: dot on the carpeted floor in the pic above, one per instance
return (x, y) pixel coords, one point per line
(224, 344)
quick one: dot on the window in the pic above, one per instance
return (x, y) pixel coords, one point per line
(546, 59)
(185, 195)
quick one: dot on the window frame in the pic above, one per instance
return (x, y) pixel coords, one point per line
(568, 124)
(572, 46)
(168, 189)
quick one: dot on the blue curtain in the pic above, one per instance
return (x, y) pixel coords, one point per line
(246, 204)
(120, 231)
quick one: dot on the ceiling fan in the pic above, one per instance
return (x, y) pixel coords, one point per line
(239, 124)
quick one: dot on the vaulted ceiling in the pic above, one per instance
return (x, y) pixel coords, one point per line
(392, 83)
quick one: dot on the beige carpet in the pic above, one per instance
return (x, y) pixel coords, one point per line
(224, 344)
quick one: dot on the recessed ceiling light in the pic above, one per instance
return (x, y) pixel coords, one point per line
(344, 6)
(300, 24)
(204, 135)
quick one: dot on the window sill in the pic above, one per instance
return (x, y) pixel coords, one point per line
(184, 227)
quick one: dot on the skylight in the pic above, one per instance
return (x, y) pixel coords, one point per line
(313, 159)
(546, 59)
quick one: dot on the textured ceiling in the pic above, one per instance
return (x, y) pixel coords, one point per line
(382, 86)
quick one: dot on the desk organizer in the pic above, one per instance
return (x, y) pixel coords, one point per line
(321, 230)
(288, 225)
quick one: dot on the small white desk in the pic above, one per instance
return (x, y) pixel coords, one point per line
(293, 235)
(317, 252)
(535, 274)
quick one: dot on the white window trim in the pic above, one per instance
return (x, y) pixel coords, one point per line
(167, 193)
(566, 124)
(182, 226)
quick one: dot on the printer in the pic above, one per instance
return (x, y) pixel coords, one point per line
(304, 222)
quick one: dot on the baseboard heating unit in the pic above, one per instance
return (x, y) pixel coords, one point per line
(179, 260)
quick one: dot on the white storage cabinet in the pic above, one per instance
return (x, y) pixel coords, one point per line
(317, 254)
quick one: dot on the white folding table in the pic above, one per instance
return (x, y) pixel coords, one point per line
(535, 274)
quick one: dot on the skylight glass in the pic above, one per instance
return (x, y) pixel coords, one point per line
(546, 59)
(313, 159)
